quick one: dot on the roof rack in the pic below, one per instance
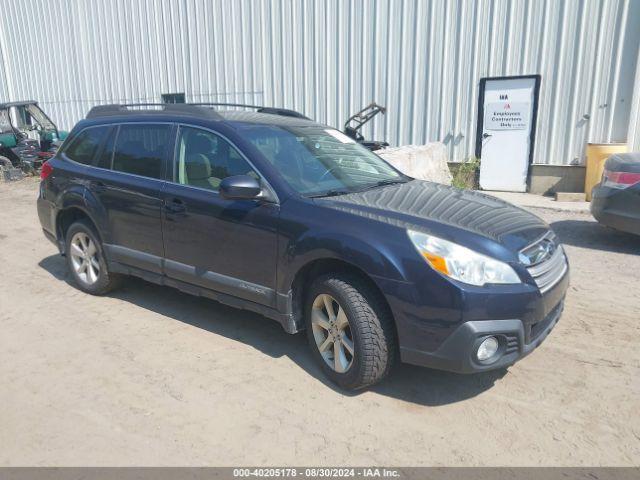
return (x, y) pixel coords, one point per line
(162, 108)
(285, 112)
(187, 109)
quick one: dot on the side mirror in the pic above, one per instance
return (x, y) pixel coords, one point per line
(240, 187)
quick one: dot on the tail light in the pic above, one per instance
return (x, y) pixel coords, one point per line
(619, 179)
(45, 171)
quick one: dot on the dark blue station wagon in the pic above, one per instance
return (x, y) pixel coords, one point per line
(269, 211)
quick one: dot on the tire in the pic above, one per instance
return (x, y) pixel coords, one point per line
(371, 331)
(93, 275)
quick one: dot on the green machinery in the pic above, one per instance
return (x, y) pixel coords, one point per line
(28, 137)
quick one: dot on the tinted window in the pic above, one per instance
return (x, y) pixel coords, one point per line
(205, 159)
(140, 149)
(106, 154)
(86, 145)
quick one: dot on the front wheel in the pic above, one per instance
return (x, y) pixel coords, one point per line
(86, 261)
(350, 330)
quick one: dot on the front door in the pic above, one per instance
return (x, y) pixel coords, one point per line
(507, 121)
(224, 245)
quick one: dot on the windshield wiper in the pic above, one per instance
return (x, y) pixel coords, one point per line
(336, 192)
(330, 193)
(382, 183)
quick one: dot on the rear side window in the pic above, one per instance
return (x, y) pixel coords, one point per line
(141, 149)
(85, 146)
(106, 154)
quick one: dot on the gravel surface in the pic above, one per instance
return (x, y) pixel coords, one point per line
(152, 376)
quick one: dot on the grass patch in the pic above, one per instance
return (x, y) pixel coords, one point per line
(466, 175)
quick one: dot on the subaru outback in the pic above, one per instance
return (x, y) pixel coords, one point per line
(265, 210)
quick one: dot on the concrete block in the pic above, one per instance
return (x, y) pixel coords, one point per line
(424, 162)
(570, 197)
(547, 179)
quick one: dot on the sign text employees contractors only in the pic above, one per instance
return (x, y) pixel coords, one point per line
(507, 116)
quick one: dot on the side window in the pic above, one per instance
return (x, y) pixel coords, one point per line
(205, 159)
(141, 149)
(85, 146)
(105, 156)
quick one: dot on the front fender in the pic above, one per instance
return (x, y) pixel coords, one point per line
(373, 257)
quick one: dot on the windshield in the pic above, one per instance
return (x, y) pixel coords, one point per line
(5, 122)
(317, 161)
(40, 118)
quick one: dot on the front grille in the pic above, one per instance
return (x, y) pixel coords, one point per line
(550, 269)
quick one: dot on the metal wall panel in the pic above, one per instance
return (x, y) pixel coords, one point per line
(634, 123)
(327, 58)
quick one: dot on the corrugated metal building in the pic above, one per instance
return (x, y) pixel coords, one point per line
(328, 58)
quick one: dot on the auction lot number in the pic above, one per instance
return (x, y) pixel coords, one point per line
(316, 472)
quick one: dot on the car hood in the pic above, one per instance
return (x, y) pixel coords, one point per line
(431, 206)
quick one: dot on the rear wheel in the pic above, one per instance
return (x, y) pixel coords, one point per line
(350, 330)
(86, 260)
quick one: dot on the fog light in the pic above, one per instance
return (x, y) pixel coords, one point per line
(487, 349)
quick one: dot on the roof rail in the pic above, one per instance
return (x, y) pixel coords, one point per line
(285, 112)
(186, 109)
(17, 104)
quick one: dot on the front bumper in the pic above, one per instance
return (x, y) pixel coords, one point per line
(440, 325)
(457, 352)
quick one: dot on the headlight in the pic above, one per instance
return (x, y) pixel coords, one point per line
(461, 263)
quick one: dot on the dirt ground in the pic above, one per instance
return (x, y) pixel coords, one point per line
(152, 376)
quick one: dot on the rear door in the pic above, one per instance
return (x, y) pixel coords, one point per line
(128, 184)
(72, 171)
(224, 245)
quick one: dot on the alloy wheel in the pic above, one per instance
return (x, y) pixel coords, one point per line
(84, 258)
(332, 333)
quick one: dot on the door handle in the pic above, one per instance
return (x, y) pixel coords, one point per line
(175, 206)
(486, 135)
